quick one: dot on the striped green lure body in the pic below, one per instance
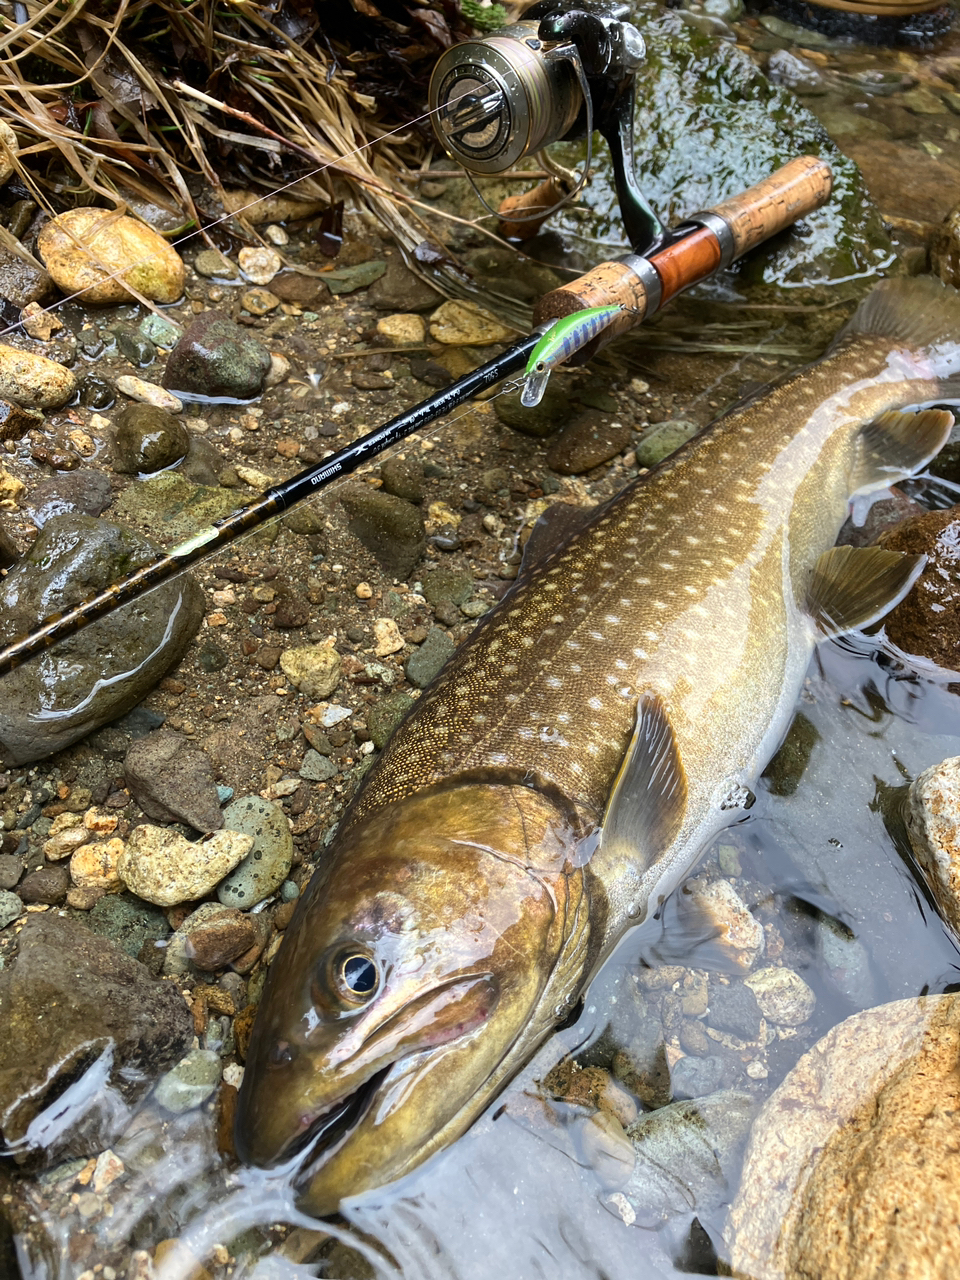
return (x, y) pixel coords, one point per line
(562, 340)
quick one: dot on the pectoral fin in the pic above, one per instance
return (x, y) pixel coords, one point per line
(649, 795)
(896, 445)
(854, 586)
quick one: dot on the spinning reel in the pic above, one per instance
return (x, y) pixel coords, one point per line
(558, 74)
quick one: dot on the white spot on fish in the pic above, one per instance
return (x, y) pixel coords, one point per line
(553, 682)
(595, 704)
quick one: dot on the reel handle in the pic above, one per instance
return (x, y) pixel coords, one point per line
(715, 239)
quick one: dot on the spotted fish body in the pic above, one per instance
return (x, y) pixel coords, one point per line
(578, 753)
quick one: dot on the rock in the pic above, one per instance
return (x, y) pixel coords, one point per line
(140, 351)
(734, 1009)
(317, 768)
(9, 553)
(405, 329)
(96, 866)
(586, 442)
(212, 264)
(785, 68)
(259, 264)
(148, 439)
(164, 868)
(23, 282)
(11, 869)
(48, 885)
(15, 421)
(387, 638)
(453, 585)
(687, 1156)
(313, 669)
(718, 907)
(84, 492)
(852, 1168)
(945, 249)
(464, 324)
(426, 662)
(783, 996)
(148, 393)
(541, 420)
(34, 381)
(128, 922)
(923, 624)
(268, 863)
(400, 289)
(160, 330)
(860, 530)
(190, 1083)
(211, 937)
(11, 907)
(259, 301)
(357, 276)
(100, 673)
(215, 357)
(11, 489)
(391, 529)
(403, 477)
(694, 1077)
(304, 291)
(131, 251)
(99, 1007)
(172, 781)
(170, 504)
(659, 441)
(932, 817)
(384, 716)
(642, 1062)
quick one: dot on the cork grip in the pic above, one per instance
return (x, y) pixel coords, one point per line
(542, 201)
(773, 204)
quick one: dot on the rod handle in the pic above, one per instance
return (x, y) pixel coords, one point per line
(751, 217)
(541, 200)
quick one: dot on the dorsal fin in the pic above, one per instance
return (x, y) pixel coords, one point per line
(918, 312)
(854, 586)
(896, 445)
(649, 796)
(555, 526)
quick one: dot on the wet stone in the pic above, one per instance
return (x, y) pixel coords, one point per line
(85, 492)
(384, 716)
(213, 936)
(190, 1083)
(586, 442)
(924, 623)
(268, 863)
(782, 995)
(400, 289)
(317, 768)
(11, 869)
(541, 420)
(696, 1077)
(129, 249)
(403, 477)
(734, 1009)
(303, 291)
(21, 282)
(426, 663)
(216, 357)
(932, 816)
(447, 585)
(313, 669)
(642, 1063)
(665, 438)
(48, 885)
(172, 781)
(211, 263)
(34, 381)
(128, 922)
(11, 907)
(15, 421)
(140, 351)
(888, 512)
(94, 998)
(390, 528)
(9, 554)
(163, 867)
(148, 439)
(99, 674)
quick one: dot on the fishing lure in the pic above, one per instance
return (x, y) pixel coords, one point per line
(563, 339)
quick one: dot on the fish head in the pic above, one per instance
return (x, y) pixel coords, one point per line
(413, 969)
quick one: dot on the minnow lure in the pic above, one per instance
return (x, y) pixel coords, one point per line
(562, 340)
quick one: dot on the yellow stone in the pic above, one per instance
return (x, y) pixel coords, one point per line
(94, 251)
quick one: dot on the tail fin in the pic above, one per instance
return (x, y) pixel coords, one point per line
(920, 313)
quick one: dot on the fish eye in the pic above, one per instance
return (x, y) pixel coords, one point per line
(356, 977)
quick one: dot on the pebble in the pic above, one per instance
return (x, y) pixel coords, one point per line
(217, 358)
(128, 922)
(96, 866)
(390, 528)
(387, 638)
(34, 381)
(717, 905)
(11, 869)
(107, 668)
(47, 885)
(427, 661)
(209, 939)
(945, 249)
(190, 1083)
(268, 863)
(384, 716)
(400, 289)
(923, 624)
(15, 421)
(932, 816)
(172, 780)
(464, 324)
(11, 907)
(11, 488)
(132, 252)
(734, 1009)
(404, 329)
(663, 439)
(259, 301)
(313, 669)
(696, 1077)
(317, 768)
(91, 995)
(783, 996)
(66, 834)
(403, 477)
(259, 264)
(39, 323)
(22, 282)
(160, 329)
(165, 868)
(148, 393)
(453, 585)
(212, 264)
(148, 439)
(852, 1166)
(85, 492)
(586, 442)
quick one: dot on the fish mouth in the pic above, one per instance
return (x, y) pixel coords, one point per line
(321, 1134)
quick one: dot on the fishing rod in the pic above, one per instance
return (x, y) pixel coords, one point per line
(560, 73)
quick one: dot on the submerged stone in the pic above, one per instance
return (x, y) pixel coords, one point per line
(924, 624)
(148, 439)
(215, 357)
(389, 527)
(99, 674)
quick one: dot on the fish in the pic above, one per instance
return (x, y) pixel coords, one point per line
(574, 758)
